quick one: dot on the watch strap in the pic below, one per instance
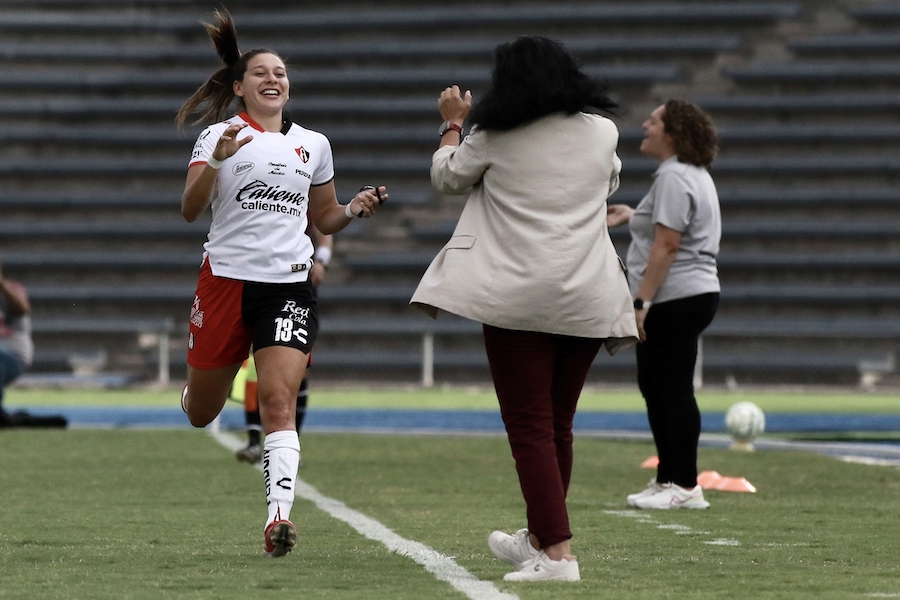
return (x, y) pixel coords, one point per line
(447, 126)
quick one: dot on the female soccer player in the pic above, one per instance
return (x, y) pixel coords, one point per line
(261, 175)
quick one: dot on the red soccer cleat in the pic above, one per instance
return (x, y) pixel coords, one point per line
(280, 538)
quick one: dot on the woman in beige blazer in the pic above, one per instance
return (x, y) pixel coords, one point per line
(531, 259)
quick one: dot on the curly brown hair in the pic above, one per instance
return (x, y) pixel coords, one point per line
(692, 131)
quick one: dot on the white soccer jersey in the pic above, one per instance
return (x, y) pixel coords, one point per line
(260, 203)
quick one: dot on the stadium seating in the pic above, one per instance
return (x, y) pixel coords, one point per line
(806, 104)
(796, 104)
(879, 13)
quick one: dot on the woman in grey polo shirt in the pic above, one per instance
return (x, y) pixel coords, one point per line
(673, 277)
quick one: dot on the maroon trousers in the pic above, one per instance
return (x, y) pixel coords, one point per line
(538, 378)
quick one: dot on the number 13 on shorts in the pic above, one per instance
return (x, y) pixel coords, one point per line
(284, 330)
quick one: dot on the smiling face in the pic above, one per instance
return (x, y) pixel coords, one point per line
(657, 143)
(264, 88)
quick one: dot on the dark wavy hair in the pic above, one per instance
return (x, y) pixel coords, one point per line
(534, 76)
(218, 91)
(692, 131)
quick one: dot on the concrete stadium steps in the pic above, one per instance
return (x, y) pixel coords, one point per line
(158, 16)
(315, 52)
(881, 12)
(422, 136)
(92, 165)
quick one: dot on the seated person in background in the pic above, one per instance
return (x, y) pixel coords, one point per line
(17, 351)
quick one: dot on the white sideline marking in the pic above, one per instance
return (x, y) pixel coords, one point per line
(642, 516)
(723, 542)
(678, 529)
(442, 566)
(865, 460)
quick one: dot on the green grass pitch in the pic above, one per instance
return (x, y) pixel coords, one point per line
(136, 514)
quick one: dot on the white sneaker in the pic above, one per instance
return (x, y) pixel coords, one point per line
(673, 496)
(514, 549)
(651, 489)
(541, 568)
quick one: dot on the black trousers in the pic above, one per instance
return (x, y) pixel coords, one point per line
(665, 367)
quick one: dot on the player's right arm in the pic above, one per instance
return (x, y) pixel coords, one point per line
(201, 177)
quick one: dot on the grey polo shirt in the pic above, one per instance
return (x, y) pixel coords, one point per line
(683, 197)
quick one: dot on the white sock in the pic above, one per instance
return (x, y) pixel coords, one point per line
(281, 458)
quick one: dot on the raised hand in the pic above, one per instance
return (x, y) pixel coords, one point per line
(228, 144)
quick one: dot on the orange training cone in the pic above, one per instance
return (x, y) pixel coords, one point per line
(711, 480)
(650, 463)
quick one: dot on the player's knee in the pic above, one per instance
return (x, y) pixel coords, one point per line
(198, 416)
(199, 420)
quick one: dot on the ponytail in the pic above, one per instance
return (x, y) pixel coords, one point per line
(218, 91)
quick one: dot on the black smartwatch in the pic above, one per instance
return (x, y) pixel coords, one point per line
(641, 304)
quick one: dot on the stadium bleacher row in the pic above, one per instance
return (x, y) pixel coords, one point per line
(805, 94)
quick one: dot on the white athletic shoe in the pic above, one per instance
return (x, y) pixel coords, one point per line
(541, 568)
(673, 496)
(651, 489)
(514, 549)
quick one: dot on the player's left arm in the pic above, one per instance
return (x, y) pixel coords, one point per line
(330, 216)
(324, 246)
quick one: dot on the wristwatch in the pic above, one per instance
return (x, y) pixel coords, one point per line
(447, 126)
(641, 304)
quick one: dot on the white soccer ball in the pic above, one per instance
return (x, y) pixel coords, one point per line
(745, 421)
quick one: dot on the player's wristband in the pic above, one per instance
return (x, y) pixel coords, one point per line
(322, 255)
(215, 163)
(350, 214)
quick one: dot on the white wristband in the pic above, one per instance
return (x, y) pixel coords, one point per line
(214, 163)
(348, 211)
(323, 255)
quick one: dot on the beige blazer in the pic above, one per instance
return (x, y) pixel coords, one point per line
(531, 250)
